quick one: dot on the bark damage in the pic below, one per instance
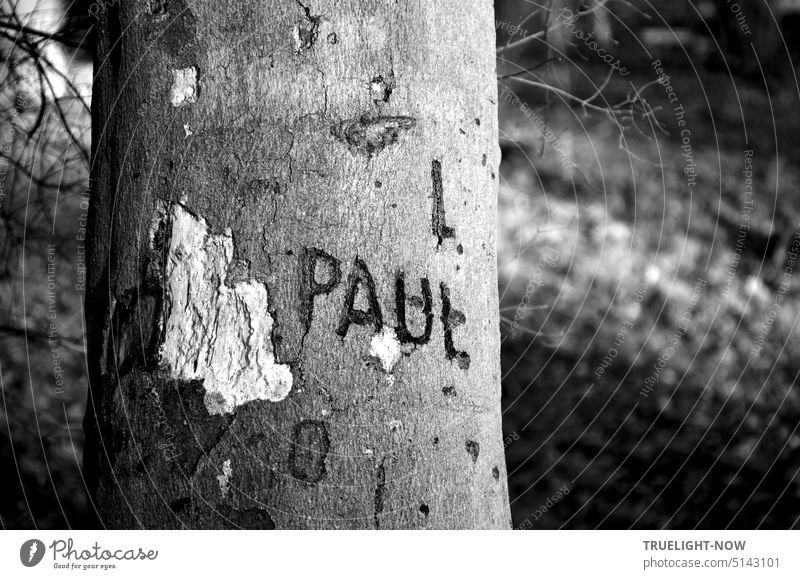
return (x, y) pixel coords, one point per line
(369, 136)
(216, 332)
(185, 88)
(325, 236)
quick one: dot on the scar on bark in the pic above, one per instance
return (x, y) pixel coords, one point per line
(368, 135)
(306, 36)
(451, 319)
(438, 221)
(136, 318)
(380, 491)
(473, 449)
(310, 446)
(381, 88)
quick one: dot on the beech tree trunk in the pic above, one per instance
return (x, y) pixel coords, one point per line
(292, 290)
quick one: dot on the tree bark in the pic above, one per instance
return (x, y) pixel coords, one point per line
(292, 294)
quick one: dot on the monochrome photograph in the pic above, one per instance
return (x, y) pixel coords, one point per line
(399, 265)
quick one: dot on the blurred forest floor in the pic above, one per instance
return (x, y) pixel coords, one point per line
(631, 398)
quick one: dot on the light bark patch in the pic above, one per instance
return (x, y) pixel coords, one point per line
(224, 479)
(217, 333)
(184, 90)
(386, 347)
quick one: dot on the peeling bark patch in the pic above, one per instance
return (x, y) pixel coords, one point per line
(184, 89)
(473, 449)
(386, 347)
(380, 492)
(216, 333)
(310, 446)
(224, 479)
(438, 221)
(496, 473)
(369, 136)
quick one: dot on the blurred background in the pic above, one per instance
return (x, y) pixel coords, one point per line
(648, 230)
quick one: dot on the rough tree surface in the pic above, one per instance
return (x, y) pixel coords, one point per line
(292, 303)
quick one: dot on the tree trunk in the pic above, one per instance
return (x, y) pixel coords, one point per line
(292, 296)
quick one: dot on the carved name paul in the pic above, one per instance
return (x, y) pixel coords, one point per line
(360, 282)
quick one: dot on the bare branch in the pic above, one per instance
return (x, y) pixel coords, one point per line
(27, 31)
(543, 33)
